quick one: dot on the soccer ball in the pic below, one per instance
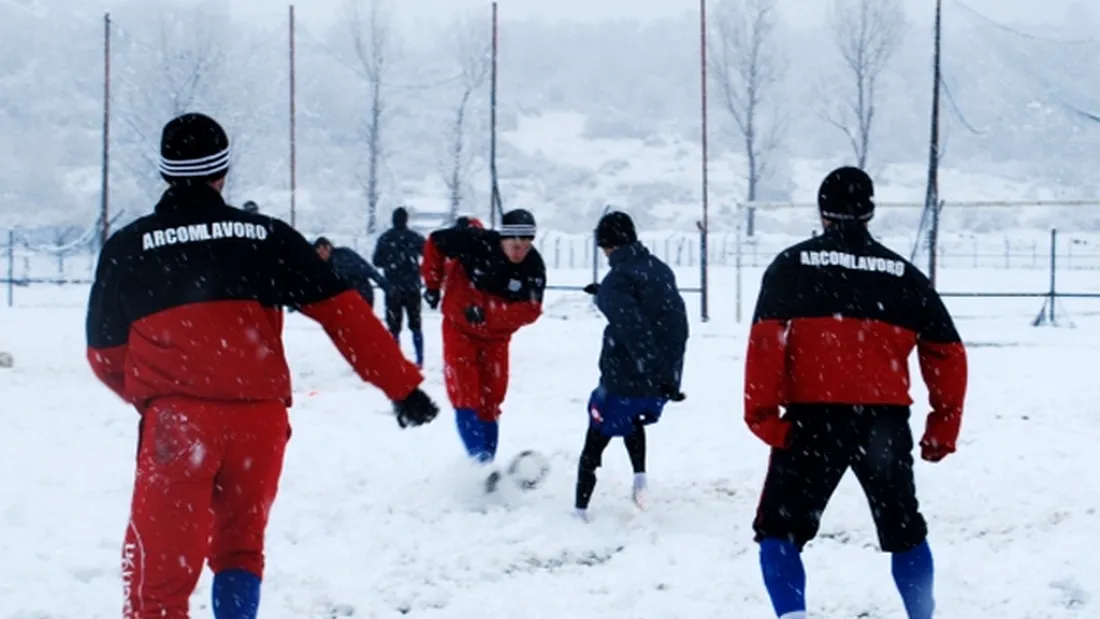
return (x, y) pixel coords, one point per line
(529, 469)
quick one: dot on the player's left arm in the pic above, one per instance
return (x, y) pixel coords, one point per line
(107, 327)
(502, 315)
(943, 365)
(310, 286)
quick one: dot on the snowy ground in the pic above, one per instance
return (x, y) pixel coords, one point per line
(373, 521)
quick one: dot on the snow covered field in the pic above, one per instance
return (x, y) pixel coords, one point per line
(373, 521)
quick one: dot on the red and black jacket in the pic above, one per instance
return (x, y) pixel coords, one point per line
(835, 323)
(478, 273)
(187, 302)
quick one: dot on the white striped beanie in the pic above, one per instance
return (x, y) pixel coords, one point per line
(517, 223)
(193, 148)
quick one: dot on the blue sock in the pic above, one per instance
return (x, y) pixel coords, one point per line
(236, 594)
(784, 575)
(418, 343)
(479, 437)
(492, 437)
(913, 574)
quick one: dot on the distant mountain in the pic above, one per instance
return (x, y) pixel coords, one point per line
(589, 115)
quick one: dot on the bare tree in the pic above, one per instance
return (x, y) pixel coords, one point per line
(748, 66)
(471, 46)
(371, 36)
(184, 71)
(867, 33)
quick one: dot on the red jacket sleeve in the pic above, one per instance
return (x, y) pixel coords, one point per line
(107, 365)
(432, 267)
(107, 327)
(503, 316)
(311, 287)
(366, 344)
(765, 376)
(943, 366)
(766, 363)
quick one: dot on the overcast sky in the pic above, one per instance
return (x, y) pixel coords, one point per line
(797, 11)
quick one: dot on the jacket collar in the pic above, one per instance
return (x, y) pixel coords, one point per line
(186, 197)
(849, 233)
(626, 253)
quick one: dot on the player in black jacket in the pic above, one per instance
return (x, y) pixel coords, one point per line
(184, 323)
(351, 268)
(836, 321)
(398, 253)
(642, 359)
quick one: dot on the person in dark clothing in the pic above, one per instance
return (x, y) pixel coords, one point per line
(351, 268)
(836, 320)
(643, 353)
(398, 253)
(183, 323)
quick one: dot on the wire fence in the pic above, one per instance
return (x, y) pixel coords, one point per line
(1035, 264)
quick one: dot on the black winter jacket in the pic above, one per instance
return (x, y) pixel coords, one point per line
(398, 253)
(647, 327)
(356, 272)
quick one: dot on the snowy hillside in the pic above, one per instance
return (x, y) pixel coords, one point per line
(374, 522)
(589, 113)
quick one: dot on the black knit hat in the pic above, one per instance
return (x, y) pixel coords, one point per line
(847, 194)
(250, 207)
(193, 149)
(616, 229)
(517, 224)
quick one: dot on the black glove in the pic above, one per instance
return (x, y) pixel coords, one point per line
(475, 315)
(431, 297)
(415, 410)
(672, 393)
(592, 289)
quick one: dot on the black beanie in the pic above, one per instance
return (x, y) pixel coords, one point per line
(400, 217)
(517, 224)
(847, 194)
(193, 149)
(616, 229)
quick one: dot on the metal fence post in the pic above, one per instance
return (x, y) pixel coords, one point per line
(11, 267)
(738, 213)
(704, 313)
(1053, 272)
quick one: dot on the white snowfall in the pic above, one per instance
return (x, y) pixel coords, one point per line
(372, 521)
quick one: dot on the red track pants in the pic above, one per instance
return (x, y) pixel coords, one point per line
(207, 475)
(476, 371)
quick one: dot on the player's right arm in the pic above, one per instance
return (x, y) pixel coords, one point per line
(311, 287)
(107, 327)
(943, 366)
(766, 357)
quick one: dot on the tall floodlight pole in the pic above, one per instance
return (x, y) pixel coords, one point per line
(293, 124)
(495, 206)
(105, 179)
(932, 196)
(703, 223)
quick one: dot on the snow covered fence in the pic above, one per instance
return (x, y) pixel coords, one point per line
(985, 263)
